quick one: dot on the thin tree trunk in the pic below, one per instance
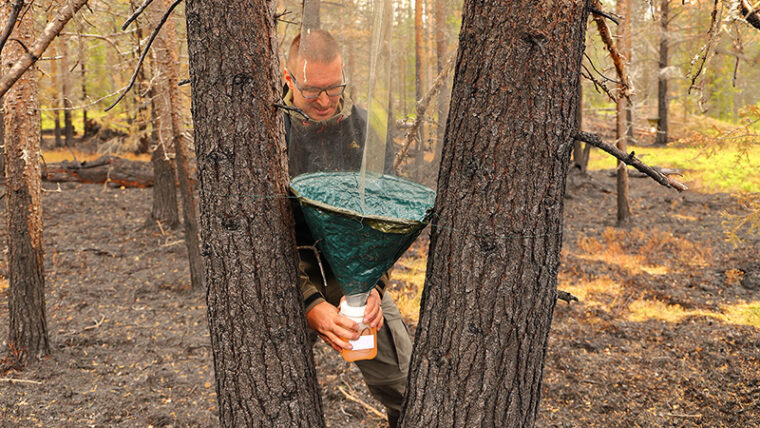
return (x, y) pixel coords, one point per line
(419, 73)
(311, 18)
(68, 126)
(623, 107)
(27, 332)
(264, 368)
(490, 289)
(440, 8)
(662, 80)
(580, 153)
(83, 77)
(56, 97)
(165, 209)
(190, 215)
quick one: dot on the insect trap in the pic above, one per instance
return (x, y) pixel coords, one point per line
(363, 212)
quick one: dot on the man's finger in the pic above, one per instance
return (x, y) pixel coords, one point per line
(342, 344)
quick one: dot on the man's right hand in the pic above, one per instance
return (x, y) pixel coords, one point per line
(331, 326)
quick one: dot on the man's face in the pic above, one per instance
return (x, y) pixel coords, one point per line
(316, 75)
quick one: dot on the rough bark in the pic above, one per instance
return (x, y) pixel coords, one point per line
(27, 331)
(662, 81)
(623, 106)
(264, 368)
(490, 290)
(170, 63)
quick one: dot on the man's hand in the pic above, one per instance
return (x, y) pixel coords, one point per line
(333, 327)
(373, 314)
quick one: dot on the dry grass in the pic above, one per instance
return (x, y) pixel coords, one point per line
(59, 155)
(739, 314)
(410, 271)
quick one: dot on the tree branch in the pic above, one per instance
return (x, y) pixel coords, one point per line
(15, 9)
(49, 33)
(422, 106)
(137, 13)
(609, 43)
(752, 16)
(630, 159)
(145, 52)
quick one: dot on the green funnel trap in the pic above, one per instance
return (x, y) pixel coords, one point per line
(362, 239)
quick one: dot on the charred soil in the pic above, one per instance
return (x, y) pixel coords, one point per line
(661, 336)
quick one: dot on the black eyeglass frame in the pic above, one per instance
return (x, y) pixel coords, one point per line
(342, 87)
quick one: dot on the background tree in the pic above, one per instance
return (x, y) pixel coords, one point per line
(27, 331)
(264, 369)
(490, 289)
(662, 80)
(623, 114)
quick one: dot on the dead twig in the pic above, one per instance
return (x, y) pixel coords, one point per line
(609, 43)
(422, 106)
(96, 325)
(145, 52)
(11, 380)
(567, 297)
(630, 159)
(363, 403)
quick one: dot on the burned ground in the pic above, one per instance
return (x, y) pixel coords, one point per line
(661, 336)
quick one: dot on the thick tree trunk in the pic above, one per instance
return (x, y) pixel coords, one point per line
(170, 63)
(623, 108)
(262, 358)
(27, 332)
(662, 82)
(490, 290)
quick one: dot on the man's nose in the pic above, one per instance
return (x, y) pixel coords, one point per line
(323, 99)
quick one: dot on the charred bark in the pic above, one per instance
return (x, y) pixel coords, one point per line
(490, 290)
(27, 331)
(264, 368)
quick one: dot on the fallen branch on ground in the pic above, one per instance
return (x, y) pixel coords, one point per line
(630, 159)
(377, 413)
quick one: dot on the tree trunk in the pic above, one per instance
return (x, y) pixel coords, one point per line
(264, 368)
(662, 80)
(490, 289)
(83, 77)
(27, 332)
(419, 86)
(580, 153)
(440, 9)
(68, 127)
(311, 17)
(169, 63)
(57, 94)
(165, 209)
(623, 107)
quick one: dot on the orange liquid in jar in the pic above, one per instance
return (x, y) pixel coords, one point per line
(363, 354)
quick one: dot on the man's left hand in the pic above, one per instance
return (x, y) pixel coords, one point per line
(373, 314)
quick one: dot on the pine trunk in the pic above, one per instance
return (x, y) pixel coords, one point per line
(419, 86)
(27, 332)
(623, 107)
(165, 209)
(169, 63)
(68, 126)
(490, 290)
(264, 368)
(662, 81)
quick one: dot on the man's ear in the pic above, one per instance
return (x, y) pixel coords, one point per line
(287, 77)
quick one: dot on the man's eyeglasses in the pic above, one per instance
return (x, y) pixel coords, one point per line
(312, 93)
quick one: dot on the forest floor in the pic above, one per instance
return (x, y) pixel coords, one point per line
(665, 332)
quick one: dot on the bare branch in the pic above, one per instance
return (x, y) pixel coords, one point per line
(422, 106)
(630, 159)
(49, 33)
(750, 14)
(617, 59)
(137, 13)
(15, 9)
(145, 52)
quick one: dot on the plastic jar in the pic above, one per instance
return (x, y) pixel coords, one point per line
(365, 347)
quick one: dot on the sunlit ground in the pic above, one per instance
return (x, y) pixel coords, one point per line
(728, 167)
(604, 292)
(59, 155)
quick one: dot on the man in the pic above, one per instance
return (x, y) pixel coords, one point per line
(325, 132)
